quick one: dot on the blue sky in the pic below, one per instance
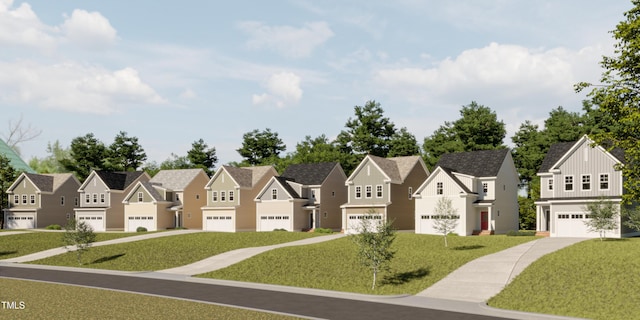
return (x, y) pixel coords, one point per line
(172, 72)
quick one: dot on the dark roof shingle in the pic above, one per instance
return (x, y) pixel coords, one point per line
(119, 180)
(481, 163)
(309, 173)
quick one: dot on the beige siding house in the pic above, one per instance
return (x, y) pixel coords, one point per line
(171, 199)
(482, 187)
(572, 175)
(381, 189)
(39, 200)
(304, 197)
(230, 205)
(101, 198)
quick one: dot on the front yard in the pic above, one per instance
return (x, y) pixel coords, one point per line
(421, 260)
(169, 252)
(591, 279)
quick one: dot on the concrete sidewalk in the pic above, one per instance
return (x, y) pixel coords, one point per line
(8, 233)
(483, 278)
(228, 258)
(61, 250)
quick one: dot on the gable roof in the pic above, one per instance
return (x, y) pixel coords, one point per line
(481, 163)
(309, 173)
(49, 182)
(153, 192)
(118, 180)
(558, 150)
(177, 179)
(284, 182)
(14, 159)
(395, 169)
(244, 177)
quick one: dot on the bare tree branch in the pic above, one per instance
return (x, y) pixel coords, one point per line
(18, 133)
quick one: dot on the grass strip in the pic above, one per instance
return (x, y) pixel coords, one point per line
(55, 301)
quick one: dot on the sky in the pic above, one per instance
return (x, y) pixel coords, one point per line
(170, 73)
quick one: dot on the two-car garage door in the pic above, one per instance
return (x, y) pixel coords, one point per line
(219, 223)
(96, 222)
(135, 222)
(20, 222)
(272, 222)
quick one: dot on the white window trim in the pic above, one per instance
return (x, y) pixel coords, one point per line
(214, 196)
(16, 199)
(274, 194)
(87, 198)
(231, 195)
(550, 184)
(368, 191)
(140, 197)
(358, 190)
(573, 183)
(24, 199)
(103, 198)
(410, 190)
(62, 200)
(381, 193)
(439, 188)
(582, 182)
(223, 196)
(608, 181)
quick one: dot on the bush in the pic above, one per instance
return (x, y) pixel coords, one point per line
(322, 230)
(141, 229)
(53, 227)
(281, 229)
(521, 233)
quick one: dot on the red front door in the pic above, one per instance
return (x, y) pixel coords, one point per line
(484, 220)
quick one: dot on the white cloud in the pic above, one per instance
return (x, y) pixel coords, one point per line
(73, 87)
(89, 29)
(188, 94)
(283, 90)
(21, 26)
(286, 40)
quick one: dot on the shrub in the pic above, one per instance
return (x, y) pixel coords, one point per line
(141, 229)
(53, 227)
(322, 230)
(521, 233)
(281, 229)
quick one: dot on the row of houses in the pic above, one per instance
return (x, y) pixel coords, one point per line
(482, 187)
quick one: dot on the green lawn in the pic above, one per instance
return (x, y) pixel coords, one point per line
(22, 244)
(591, 279)
(55, 301)
(421, 260)
(171, 251)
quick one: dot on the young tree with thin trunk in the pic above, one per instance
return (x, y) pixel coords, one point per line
(374, 245)
(445, 219)
(78, 236)
(602, 217)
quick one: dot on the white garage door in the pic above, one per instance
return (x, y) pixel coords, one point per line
(219, 223)
(355, 221)
(425, 225)
(133, 222)
(572, 225)
(272, 222)
(20, 222)
(95, 222)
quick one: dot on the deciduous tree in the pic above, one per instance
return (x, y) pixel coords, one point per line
(7, 176)
(261, 147)
(369, 132)
(87, 153)
(201, 156)
(374, 246)
(53, 162)
(602, 217)
(78, 236)
(446, 218)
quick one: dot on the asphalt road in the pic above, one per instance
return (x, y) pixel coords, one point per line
(285, 302)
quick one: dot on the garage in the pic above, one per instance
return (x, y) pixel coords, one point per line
(572, 225)
(219, 223)
(273, 222)
(355, 221)
(147, 222)
(95, 222)
(20, 222)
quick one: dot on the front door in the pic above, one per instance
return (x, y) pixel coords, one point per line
(311, 220)
(484, 220)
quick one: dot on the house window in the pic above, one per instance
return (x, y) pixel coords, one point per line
(16, 199)
(313, 194)
(68, 215)
(62, 200)
(102, 198)
(177, 197)
(87, 198)
(274, 194)
(586, 182)
(410, 190)
(76, 201)
(485, 188)
(32, 199)
(24, 199)
(358, 192)
(367, 192)
(214, 196)
(95, 198)
(550, 185)
(439, 188)
(378, 191)
(223, 196)
(604, 181)
(197, 197)
(568, 183)
(333, 194)
(139, 196)
(231, 195)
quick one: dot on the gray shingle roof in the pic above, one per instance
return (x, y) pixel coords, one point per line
(177, 179)
(556, 151)
(309, 174)
(153, 192)
(44, 183)
(119, 180)
(396, 168)
(481, 163)
(247, 177)
(287, 187)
